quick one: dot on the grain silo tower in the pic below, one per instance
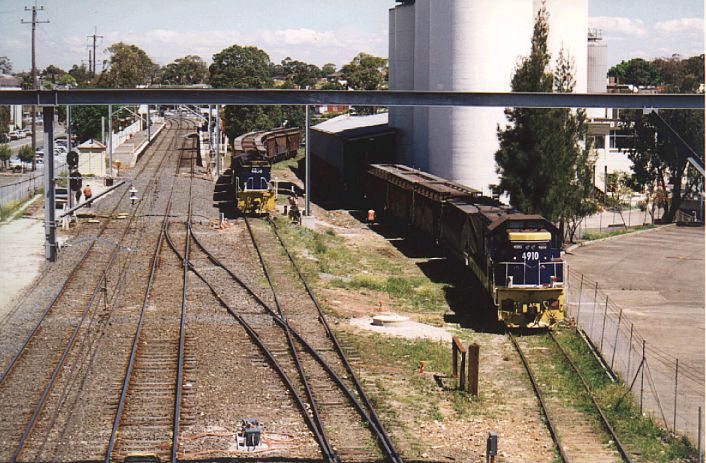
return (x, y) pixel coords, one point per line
(470, 45)
(597, 69)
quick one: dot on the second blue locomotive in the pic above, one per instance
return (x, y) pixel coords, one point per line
(516, 257)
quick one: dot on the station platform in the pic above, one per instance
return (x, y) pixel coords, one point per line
(129, 151)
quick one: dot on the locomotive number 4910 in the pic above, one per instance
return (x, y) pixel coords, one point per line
(530, 256)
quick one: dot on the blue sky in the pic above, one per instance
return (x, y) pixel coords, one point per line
(314, 31)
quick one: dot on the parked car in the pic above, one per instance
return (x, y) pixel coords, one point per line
(16, 134)
(27, 131)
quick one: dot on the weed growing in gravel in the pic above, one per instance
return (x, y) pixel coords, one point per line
(638, 433)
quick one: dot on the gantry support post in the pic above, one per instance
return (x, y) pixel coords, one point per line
(49, 199)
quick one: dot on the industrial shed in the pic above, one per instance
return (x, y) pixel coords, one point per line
(341, 149)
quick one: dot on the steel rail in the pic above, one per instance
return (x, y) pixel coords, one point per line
(369, 98)
(339, 349)
(182, 322)
(540, 398)
(310, 349)
(138, 329)
(72, 339)
(260, 343)
(331, 455)
(72, 275)
(604, 420)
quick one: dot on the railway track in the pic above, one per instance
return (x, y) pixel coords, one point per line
(28, 380)
(149, 408)
(319, 382)
(577, 424)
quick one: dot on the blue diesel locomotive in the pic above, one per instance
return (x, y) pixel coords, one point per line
(516, 257)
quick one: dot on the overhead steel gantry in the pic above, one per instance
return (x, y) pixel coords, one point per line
(51, 98)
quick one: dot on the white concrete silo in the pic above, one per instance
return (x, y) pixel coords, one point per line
(474, 46)
(420, 137)
(403, 117)
(597, 69)
(391, 64)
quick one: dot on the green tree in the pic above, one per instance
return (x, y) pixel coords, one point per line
(129, 67)
(656, 162)
(5, 65)
(4, 118)
(86, 121)
(52, 72)
(244, 67)
(25, 154)
(636, 71)
(80, 75)
(542, 161)
(5, 154)
(328, 69)
(681, 75)
(365, 72)
(301, 74)
(188, 70)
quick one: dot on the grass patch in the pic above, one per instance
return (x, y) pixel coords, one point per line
(590, 236)
(8, 209)
(288, 164)
(417, 292)
(638, 433)
(356, 268)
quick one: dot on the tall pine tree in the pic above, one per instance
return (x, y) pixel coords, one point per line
(541, 160)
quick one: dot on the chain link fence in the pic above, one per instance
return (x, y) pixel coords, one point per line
(20, 191)
(672, 391)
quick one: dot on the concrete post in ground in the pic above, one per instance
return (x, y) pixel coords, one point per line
(595, 301)
(68, 147)
(676, 384)
(49, 199)
(473, 366)
(578, 310)
(699, 436)
(615, 341)
(630, 347)
(218, 141)
(642, 376)
(462, 375)
(149, 125)
(605, 315)
(110, 140)
(307, 164)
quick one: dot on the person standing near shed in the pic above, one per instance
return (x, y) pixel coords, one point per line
(87, 193)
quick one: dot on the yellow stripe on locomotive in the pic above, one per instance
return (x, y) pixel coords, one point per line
(253, 190)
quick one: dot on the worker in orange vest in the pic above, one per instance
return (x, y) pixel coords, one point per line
(87, 193)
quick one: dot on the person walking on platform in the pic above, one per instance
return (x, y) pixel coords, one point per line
(87, 193)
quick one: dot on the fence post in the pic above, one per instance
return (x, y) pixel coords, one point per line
(642, 375)
(595, 300)
(462, 386)
(454, 357)
(578, 310)
(605, 314)
(630, 348)
(473, 363)
(676, 383)
(615, 342)
(699, 432)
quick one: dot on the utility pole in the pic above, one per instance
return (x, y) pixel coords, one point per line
(34, 23)
(94, 37)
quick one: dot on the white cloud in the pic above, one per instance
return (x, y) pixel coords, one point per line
(690, 26)
(307, 37)
(620, 26)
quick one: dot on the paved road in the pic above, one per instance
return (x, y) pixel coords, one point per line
(16, 144)
(657, 277)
